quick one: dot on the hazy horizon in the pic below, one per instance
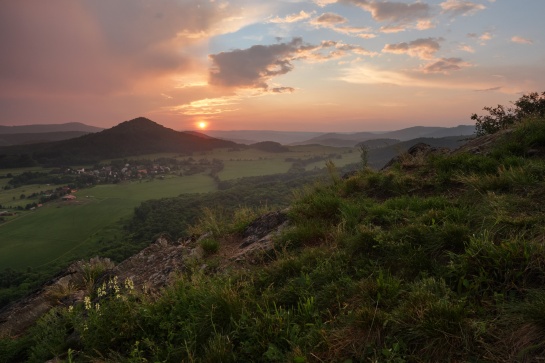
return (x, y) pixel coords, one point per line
(204, 130)
(293, 65)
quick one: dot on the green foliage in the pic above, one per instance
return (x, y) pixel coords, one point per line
(500, 117)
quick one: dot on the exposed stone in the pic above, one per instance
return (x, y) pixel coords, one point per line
(262, 226)
(154, 266)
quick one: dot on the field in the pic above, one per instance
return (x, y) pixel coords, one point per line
(65, 230)
(62, 231)
(255, 163)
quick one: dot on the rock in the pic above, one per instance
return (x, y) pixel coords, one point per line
(262, 226)
(258, 250)
(154, 266)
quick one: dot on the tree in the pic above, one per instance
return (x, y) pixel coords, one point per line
(501, 117)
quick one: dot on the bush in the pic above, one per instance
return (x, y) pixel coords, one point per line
(500, 117)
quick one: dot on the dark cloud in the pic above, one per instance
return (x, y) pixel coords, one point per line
(421, 48)
(445, 65)
(255, 66)
(283, 89)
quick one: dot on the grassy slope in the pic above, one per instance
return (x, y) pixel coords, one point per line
(434, 260)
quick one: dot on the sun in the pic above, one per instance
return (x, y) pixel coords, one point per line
(202, 125)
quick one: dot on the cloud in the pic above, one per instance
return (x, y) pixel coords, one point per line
(444, 65)
(91, 47)
(207, 106)
(521, 40)
(367, 74)
(283, 89)
(323, 3)
(332, 21)
(491, 89)
(255, 66)
(302, 15)
(399, 15)
(419, 48)
(460, 7)
(329, 18)
(484, 37)
(466, 48)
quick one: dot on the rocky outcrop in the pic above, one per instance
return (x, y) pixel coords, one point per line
(259, 237)
(151, 269)
(155, 266)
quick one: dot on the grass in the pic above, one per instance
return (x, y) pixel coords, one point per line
(63, 231)
(427, 262)
(242, 168)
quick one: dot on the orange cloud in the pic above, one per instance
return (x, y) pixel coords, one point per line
(419, 48)
(521, 40)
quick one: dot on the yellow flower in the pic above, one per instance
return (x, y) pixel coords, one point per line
(87, 302)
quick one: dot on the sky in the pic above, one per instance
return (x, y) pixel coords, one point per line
(294, 65)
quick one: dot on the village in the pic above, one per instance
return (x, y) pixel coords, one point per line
(69, 179)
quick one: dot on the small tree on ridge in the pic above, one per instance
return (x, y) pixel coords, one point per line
(500, 117)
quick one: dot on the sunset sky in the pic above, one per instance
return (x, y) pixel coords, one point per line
(307, 65)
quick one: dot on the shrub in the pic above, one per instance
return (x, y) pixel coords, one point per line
(500, 117)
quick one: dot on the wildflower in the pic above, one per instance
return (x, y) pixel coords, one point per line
(70, 308)
(129, 285)
(87, 302)
(97, 306)
(101, 291)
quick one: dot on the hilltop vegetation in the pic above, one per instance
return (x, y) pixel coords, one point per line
(439, 258)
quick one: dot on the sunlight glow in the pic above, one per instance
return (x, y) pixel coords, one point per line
(202, 125)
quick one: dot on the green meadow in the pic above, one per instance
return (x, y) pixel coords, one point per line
(67, 230)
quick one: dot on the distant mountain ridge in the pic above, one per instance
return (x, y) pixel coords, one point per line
(40, 137)
(34, 129)
(254, 136)
(352, 139)
(130, 138)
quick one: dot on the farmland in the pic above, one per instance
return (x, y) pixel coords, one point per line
(65, 229)
(62, 231)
